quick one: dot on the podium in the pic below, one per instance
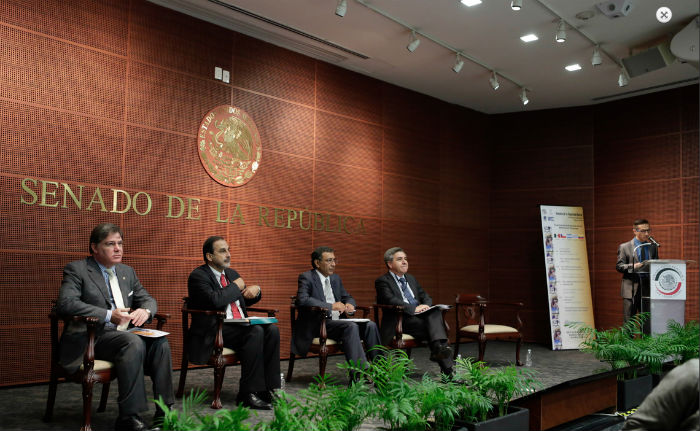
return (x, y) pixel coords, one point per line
(663, 295)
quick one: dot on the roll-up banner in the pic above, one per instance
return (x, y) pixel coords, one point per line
(566, 269)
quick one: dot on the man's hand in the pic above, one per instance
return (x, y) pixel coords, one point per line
(120, 316)
(638, 265)
(140, 316)
(251, 292)
(349, 309)
(421, 307)
(339, 306)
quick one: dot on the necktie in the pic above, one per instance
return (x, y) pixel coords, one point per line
(116, 294)
(407, 292)
(330, 298)
(234, 307)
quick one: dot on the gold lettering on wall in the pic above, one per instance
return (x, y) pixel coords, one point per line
(52, 194)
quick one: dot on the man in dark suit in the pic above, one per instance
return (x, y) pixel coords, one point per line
(101, 286)
(397, 287)
(321, 287)
(631, 258)
(215, 286)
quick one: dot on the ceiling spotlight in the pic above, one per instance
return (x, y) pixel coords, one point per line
(573, 67)
(596, 60)
(413, 44)
(494, 81)
(470, 3)
(523, 97)
(622, 80)
(341, 8)
(459, 63)
(529, 37)
(516, 4)
(561, 32)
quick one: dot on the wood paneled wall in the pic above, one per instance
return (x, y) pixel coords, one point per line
(109, 94)
(634, 158)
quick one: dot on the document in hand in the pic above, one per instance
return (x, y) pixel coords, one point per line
(252, 320)
(440, 306)
(145, 332)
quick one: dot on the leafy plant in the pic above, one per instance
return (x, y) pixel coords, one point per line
(497, 385)
(682, 340)
(615, 346)
(189, 419)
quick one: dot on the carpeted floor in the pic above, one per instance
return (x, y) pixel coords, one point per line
(23, 407)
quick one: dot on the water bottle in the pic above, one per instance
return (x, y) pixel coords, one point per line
(528, 358)
(281, 382)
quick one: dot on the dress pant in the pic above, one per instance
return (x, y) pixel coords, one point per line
(133, 356)
(352, 334)
(252, 343)
(429, 327)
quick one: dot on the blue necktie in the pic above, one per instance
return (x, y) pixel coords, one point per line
(406, 291)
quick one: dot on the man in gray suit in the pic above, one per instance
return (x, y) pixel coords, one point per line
(631, 256)
(101, 286)
(397, 287)
(321, 287)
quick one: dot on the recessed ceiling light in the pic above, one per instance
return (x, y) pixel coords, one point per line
(573, 67)
(529, 37)
(470, 3)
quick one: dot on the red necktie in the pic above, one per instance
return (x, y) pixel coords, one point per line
(234, 307)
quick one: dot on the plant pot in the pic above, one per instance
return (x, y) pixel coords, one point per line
(517, 419)
(631, 393)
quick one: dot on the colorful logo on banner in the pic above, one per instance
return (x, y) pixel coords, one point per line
(229, 145)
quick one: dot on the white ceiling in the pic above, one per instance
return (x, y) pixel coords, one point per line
(489, 33)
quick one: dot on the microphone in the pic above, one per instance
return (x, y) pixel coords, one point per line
(653, 241)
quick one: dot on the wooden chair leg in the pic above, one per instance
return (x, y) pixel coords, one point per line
(457, 340)
(482, 350)
(322, 361)
(517, 351)
(51, 400)
(103, 397)
(183, 376)
(408, 353)
(290, 367)
(218, 383)
(87, 405)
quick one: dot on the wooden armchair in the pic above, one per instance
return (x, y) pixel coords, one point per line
(321, 345)
(90, 372)
(220, 357)
(401, 340)
(473, 310)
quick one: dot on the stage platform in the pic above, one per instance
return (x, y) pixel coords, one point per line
(569, 380)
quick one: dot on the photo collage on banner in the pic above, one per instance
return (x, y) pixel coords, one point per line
(566, 268)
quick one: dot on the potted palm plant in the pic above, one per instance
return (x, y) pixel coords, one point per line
(629, 351)
(499, 386)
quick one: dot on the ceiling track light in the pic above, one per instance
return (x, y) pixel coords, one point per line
(341, 8)
(596, 60)
(516, 4)
(561, 32)
(523, 97)
(413, 44)
(494, 81)
(459, 63)
(622, 80)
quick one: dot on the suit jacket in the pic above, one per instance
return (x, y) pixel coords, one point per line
(310, 293)
(205, 293)
(389, 292)
(625, 258)
(84, 292)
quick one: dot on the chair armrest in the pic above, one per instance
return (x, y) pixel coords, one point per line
(270, 311)
(398, 309)
(366, 311)
(161, 319)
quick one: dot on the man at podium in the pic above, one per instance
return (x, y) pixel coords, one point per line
(631, 258)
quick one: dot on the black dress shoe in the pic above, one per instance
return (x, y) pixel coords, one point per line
(267, 396)
(252, 401)
(443, 351)
(132, 423)
(159, 415)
